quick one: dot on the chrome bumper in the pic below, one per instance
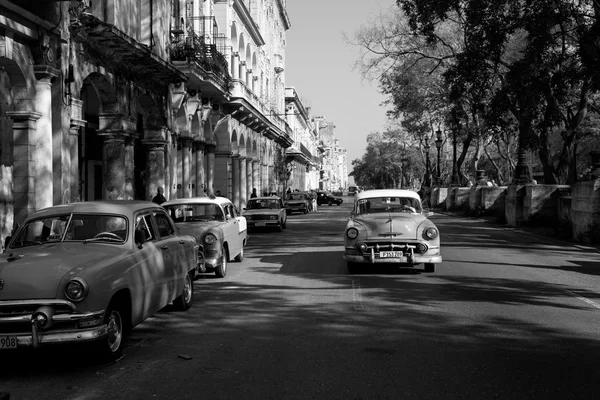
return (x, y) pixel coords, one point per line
(37, 338)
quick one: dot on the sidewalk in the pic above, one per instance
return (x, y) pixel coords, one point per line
(545, 232)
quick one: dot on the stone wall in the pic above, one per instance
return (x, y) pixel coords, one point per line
(585, 211)
(540, 205)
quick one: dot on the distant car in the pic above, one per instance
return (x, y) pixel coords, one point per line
(217, 225)
(389, 226)
(297, 202)
(90, 272)
(266, 212)
(328, 198)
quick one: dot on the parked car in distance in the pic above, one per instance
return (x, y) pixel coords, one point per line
(297, 202)
(266, 212)
(221, 231)
(390, 226)
(328, 198)
(90, 272)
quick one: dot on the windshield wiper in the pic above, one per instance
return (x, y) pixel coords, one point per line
(110, 239)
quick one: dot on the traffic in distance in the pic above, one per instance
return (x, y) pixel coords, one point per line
(90, 272)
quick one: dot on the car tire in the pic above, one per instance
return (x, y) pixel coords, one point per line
(221, 270)
(330, 202)
(184, 301)
(111, 347)
(280, 226)
(240, 257)
(429, 267)
(352, 267)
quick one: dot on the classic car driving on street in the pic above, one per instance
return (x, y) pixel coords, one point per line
(215, 222)
(266, 212)
(390, 226)
(328, 198)
(297, 202)
(90, 272)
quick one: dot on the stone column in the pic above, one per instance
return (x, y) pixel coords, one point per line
(249, 181)
(155, 142)
(114, 154)
(256, 183)
(42, 152)
(186, 163)
(24, 167)
(174, 170)
(235, 59)
(235, 170)
(210, 168)
(242, 72)
(200, 174)
(71, 178)
(129, 168)
(243, 183)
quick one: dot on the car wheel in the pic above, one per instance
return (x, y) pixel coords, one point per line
(240, 257)
(330, 203)
(429, 267)
(352, 268)
(184, 301)
(280, 226)
(111, 347)
(221, 270)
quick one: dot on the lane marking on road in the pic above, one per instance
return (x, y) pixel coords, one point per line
(585, 300)
(356, 295)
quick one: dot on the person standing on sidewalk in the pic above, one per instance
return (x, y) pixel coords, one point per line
(159, 198)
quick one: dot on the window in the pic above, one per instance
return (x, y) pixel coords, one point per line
(164, 225)
(145, 224)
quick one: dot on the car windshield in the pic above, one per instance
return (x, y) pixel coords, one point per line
(259, 204)
(72, 227)
(296, 196)
(198, 212)
(388, 204)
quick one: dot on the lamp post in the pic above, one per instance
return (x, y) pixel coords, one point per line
(438, 144)
(427, 182)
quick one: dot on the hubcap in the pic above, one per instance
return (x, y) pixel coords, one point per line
(115, 331)
(187, 289)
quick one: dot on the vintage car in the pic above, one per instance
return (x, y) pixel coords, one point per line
(390, 226)
(217, 225)
(328, 198)
(266, 212)
(89, 272)
(297, 202)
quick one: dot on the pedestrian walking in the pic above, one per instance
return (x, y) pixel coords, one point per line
(159, 198)
(253, 195)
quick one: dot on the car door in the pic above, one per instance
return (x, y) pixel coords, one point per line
(175, 259)
(232, 228)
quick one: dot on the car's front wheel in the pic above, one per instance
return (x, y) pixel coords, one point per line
(221, 270)
(111, 346)
(429, 267)
(184, 301)
(240, 257)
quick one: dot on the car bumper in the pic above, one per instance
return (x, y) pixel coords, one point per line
(263, 224)
(37, 338)
(408, 261)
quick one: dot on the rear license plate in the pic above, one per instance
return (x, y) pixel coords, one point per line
(390, 254)
(8, 342)
(261, 224)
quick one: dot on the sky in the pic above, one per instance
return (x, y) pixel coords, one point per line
(319, 65)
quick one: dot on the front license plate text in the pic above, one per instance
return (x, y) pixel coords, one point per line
(8, 342)
(390, 254)
(261, 224)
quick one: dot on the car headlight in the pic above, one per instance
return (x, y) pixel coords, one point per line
(209, 238)
(431, 233)
(76, 289)
(352, 233)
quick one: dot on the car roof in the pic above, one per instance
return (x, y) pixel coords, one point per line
(196, 200)
(125, 207)
(387, 193)
(265, 198)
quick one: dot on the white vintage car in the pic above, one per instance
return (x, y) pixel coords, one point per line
(216, 223)
(90, 272)
(390, 226)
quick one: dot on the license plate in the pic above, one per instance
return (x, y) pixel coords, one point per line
(390, 254)
(8, 342)
(261, 224)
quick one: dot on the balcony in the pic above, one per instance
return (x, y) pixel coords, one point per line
(203, 63)
(300, 153)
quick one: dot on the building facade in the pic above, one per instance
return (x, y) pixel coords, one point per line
(334, 172)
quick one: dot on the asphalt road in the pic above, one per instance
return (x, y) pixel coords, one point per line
(506, 316)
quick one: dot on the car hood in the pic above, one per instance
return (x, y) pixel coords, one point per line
(403, 224)
(197, 229)
(35, 272)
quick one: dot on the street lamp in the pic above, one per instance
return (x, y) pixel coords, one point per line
(427, 182)
(438, 144)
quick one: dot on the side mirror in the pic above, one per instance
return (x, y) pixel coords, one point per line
(140, 237)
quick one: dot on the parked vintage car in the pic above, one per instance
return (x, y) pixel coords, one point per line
(266, 212)
(390, 226)
(297, 202)
(327, 198)
(217, 225)
(90, 272)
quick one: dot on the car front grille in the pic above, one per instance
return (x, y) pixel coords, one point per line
(15, 316)
(381, 245)
(261, 217)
